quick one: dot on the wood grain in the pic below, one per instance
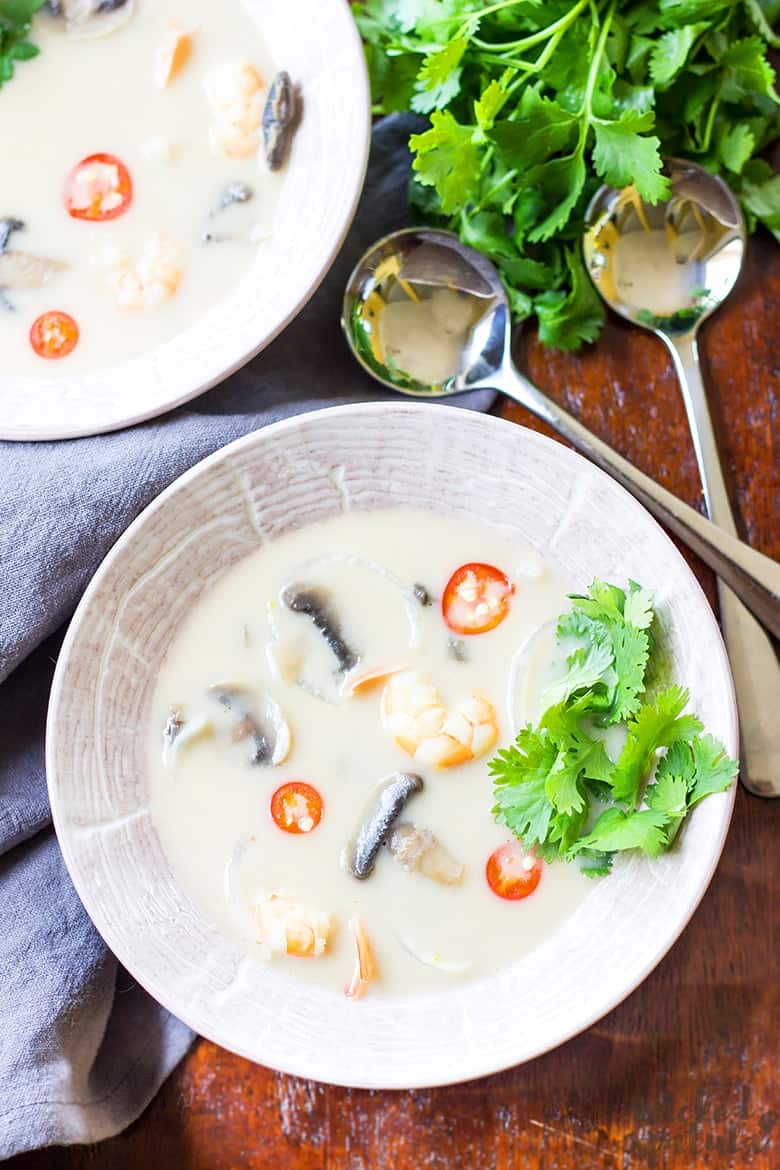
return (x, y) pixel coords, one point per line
(685, 1072)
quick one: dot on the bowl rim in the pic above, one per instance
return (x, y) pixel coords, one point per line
(465, 1068)
(42, 431)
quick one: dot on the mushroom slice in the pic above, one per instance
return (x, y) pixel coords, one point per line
(384, 808)
(287, 926)
(9, 225)
(180, 733)
(278, 119)
(256, 720)
(420, 851)
(365, 964)
(315, 603)
(89, 19)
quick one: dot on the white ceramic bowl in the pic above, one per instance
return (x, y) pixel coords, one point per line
(318, 42)
(455, 462)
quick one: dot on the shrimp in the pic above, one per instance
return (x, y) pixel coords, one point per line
(236, 95)
(148, 281)
(287, 926)
(413, 713)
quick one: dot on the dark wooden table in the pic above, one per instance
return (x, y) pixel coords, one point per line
(682, 1075)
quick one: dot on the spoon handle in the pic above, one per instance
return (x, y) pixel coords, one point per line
(753, 660)
(753, 577)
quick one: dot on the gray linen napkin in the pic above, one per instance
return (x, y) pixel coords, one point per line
(82, 1048)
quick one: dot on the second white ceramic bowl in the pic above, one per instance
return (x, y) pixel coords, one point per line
(318, 43)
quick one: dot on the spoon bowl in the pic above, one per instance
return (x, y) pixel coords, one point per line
(396, 281)
(666, 267)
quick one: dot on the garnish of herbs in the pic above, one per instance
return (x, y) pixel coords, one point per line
(557, 788)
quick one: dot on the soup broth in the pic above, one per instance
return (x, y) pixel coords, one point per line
(148, 271)
(384, 575)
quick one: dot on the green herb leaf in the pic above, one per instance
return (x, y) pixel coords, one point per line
(546, 783)
(568, 319)
(622, 155)
(658, 724)
(438, 81)
(735, 146)
(15, 19)
(746, 71)
(446, 158)
(616, 830)
(670, 52)
(760, 195)
(713, 770)
(490, 103)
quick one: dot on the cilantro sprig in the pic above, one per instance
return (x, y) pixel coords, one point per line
(531, 105)
(15, 19)
(551, 783)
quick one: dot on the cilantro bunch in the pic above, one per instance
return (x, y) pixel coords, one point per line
(551, 783)
(533, 103)
(15, 19)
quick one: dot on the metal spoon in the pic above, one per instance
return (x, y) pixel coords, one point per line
(410, 263)
(667, 268)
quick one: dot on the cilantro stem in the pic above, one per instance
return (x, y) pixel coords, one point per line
(535, 38)
(493, 190)
(586, 111)
(488, 11)
(762, 24)
(710, 123)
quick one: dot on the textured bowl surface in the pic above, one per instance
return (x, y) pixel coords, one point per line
(297, 472)
(319, 45)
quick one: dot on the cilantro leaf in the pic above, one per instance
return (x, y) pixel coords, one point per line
(568, 319)
(438, 80)
(615, 830)
(656, 725)
(488, 106)
(713, 770)
(520, 777)
(560, 182)
(746, 70)
(735, 146)
(669, 53)
(602, 602)
(669, 793)
(608, 617)
(540, 129)
(15, 20)
(586, 667)
(623, 155)
(446, 158)
(760, 194)
(638, 607)
(631, 648)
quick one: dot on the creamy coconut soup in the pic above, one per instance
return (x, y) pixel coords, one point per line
(142, 153)
(318, 750)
